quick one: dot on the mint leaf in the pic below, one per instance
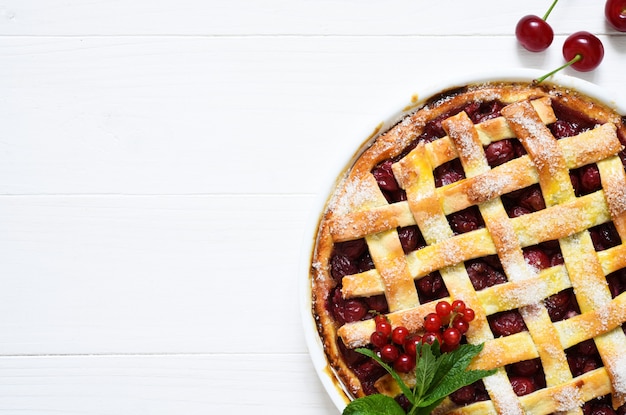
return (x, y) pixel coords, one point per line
(374, 405)
(425, 370)
(453, 374)
(437, 375)
(455, 361)
(403, 387)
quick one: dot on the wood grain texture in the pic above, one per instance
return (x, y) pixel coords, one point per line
(177, 115)
(157, 384)
(160, 162)
(289, 17)
(151, 274)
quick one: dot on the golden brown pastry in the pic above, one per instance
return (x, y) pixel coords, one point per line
(512, 198)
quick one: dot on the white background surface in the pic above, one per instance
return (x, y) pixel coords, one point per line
(159, 162)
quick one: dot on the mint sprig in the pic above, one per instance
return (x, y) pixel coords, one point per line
(437, 375)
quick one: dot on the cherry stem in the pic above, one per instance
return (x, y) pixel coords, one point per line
(545, 16)
(549, 74)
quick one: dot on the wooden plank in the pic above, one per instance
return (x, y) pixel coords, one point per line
(291, 17)
(161, 384)
(151, 274)
(220, 115)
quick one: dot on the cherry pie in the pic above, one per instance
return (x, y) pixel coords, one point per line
(512, 198)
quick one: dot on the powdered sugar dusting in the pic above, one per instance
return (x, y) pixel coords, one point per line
(515, 271)
(546, 152)
(356, 193)
(568, 398)
(527, 294)
(452, 254)
(504, 397)
(489, 186)
(539, 141)
(464, 139)
(435, 229)
(618, 370)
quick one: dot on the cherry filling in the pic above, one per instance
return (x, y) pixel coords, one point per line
(506, 323)
(466, 220)
(586, 179)
(528, 376)
(602, 406)
(475, 392)
(583, 358)
(523, 201)
(569, 122)
(499, 152)
(617, 282)
(411, 239)
(604, 236)
(431, 287)
(448, 173)
(388, 183)
(483, 275)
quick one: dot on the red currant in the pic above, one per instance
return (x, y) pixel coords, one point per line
(384, 327)
(411, 344)
(443, 309)
(380, 318)
(378, 339)
(615, 12)
(430, 337)
(584, 50)
(451, 336)
(469, 315)
(460, 324)
(404, 363)
(389, 353)
(534, 33)
(399, 335)
(458, 306)
(432, 322)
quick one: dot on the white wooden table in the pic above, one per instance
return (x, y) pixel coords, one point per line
(159, 161)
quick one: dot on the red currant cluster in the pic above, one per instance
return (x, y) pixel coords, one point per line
(397, 347)
(582, 50)
(448, 323)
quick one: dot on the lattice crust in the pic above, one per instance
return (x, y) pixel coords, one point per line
(360, 210)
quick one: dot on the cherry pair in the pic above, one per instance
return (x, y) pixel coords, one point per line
(582, 50)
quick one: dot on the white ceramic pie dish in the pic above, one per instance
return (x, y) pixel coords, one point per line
(314, 344)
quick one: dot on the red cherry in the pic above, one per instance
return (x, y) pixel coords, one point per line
(615, 12)
(399, 335)
(389, 353)
(534, 33)
(432, 322)
(585, 45)
(583, 52)
(404, 363)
